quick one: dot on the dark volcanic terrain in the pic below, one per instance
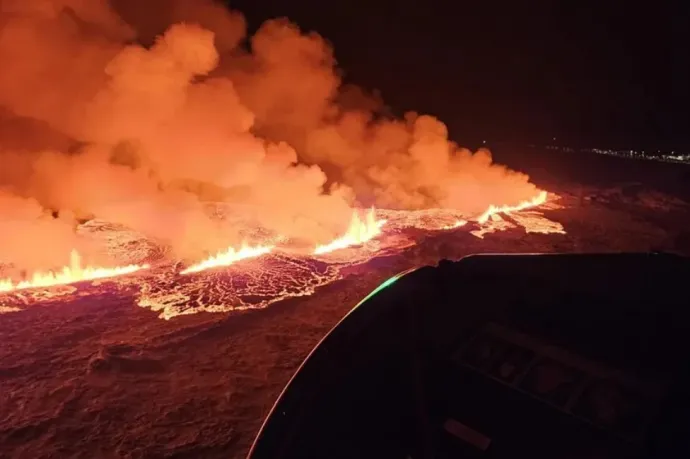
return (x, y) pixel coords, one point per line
(101, 377)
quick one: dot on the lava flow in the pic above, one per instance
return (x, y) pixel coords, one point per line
(457, 224)
(492, 210)
(68, 275)
(227, 257)
(359, 232)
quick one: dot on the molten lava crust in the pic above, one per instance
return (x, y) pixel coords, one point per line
(573, 356)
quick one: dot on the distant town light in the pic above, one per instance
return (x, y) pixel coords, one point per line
(657, 155)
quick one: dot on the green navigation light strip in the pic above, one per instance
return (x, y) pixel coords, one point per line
(387, 283)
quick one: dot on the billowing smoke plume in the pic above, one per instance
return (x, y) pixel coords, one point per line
(140, 117)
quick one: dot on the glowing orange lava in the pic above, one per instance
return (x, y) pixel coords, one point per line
(228, 257)
(492, 210)
(68, 275)
(359, 232)
(457, 224)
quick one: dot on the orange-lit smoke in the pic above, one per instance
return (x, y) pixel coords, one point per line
(139, 114)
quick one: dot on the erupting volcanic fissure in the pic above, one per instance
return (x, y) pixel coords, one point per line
(109, 115)
(73, 273)
(506, 209)
(359, 232)
(228, 257)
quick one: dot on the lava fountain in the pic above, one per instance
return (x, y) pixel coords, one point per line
(70, 274)
(358, 232)
(534, 202)
(228, 257)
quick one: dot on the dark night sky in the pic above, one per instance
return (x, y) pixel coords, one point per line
(599, 76)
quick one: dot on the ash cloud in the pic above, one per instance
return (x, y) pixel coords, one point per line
(117, 111)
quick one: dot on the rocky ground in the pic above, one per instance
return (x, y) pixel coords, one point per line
(101, 377)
